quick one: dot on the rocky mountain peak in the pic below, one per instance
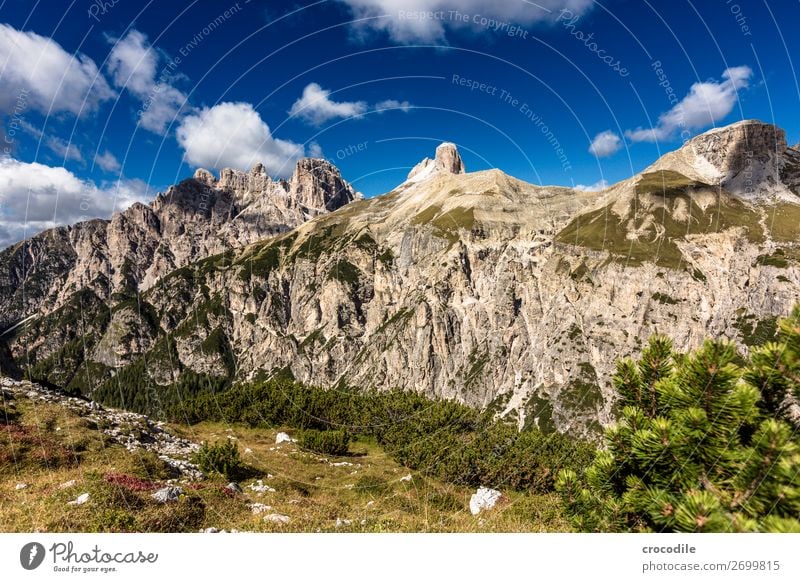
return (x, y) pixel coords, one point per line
(745, 158)
(447, 160)
(318, 184)
(731, 148)
(204, 176)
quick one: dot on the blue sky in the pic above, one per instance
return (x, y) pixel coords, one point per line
(106, 102)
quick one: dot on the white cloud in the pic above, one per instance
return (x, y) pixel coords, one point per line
(315, 150)
(706, 104)
(606, 143)
(38, 74)
(596, 187)
(391, 104)
(316, 107)
(411, 21)
(133, 65)
(108, 162)
(36, 197)
(234, 135)
(66, 150)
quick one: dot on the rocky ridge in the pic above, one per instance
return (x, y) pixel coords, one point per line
(132, 431)
(197, 218)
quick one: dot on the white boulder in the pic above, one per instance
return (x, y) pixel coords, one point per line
(282, 437)
(483, 499)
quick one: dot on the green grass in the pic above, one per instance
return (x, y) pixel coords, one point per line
(667, 183)
(446, 225)
(345, 272)
(427, 215)
(653, 217)
(755, 332)
(776, 259)
(364, 489)
(782, 221)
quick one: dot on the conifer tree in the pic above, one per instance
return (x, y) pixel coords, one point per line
(775, 371)
(696, 447)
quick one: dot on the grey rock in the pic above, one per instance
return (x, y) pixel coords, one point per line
(168, 494)
(233, 487)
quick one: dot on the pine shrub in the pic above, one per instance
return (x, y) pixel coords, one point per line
(221, 459)
(326, 442)
(696, 449)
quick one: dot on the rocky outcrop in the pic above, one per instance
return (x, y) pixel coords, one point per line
(199, 217)
(133, 431)
(447, 160)
(747, 158)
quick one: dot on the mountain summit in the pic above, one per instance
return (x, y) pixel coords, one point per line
(477, 287)
(447, 160)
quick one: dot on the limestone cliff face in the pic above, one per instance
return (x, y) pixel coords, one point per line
(197, 218)
(474, 286)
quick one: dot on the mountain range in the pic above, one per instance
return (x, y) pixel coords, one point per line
(473, 286)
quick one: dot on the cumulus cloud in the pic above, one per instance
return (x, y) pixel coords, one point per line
(606, 143)
(316, 106)
(234, 135)
(39, 74)
(36, 197)
(133, 65)
(108, 162)
(596, 187)
(411, 21)
(706, 103)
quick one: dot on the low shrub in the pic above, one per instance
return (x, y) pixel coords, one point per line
(222, 459)
(326, 442)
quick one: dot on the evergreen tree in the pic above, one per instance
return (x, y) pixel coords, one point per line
(775, 371)
(695, 448)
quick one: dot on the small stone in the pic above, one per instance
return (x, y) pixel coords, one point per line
(80, 500)
(248, 451)
(407, 478)
(277, 518)
(282, 437)
(259, 487)
(342, 522)
(259, 508)
(168, 494)
(67, 484)
(21, 486)
(233, 487)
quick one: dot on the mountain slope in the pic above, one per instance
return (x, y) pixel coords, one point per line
(472, 286)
